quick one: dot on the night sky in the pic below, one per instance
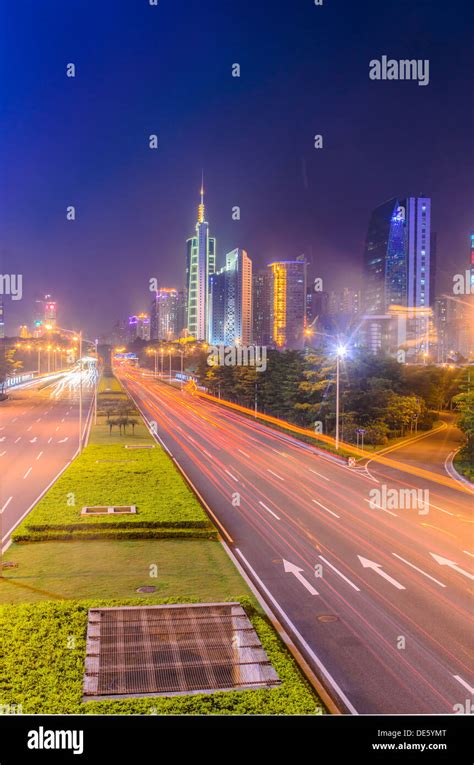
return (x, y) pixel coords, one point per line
(167, 70)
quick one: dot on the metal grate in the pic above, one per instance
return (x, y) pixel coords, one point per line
(169, 650)
(108, 509)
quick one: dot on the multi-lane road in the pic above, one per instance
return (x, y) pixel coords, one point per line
(376, 596)
(39, 436)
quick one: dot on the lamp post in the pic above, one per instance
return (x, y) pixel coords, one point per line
(169, 354)
(162, 351)
(340, 353)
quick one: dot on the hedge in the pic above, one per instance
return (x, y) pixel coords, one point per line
(42, 654)
(150, 481)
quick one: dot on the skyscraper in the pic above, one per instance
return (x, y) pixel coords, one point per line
(164, 315)
(397, 277)
(2, 321)
(262, 307)
(230, 301)
(200, 265)
(289, 302)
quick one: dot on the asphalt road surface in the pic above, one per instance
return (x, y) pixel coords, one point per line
(39, 436)
(376, 597)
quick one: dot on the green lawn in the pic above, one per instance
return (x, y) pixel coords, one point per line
(42, 655)
(113, 475)
(195, 569)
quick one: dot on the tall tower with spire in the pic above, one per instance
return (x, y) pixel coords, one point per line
(200, 265)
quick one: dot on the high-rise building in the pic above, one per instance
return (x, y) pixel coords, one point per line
(139, 327)
(200, 265)
(164, 315)
(471, 261)
(182, 313)
(289, 302)
(230, 301)
(50, 311)
(2, 321)
(262, 307)
(398, 277)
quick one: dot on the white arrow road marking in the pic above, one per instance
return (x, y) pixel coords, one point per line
(6, 504)
(318, 474)
(464, 684)
(366, 563)
(27, 472)
(269, 511)
(340, 574)
(325, 508)
(419, 569)
(290, 568)
(275, 474)
(63, 440)
(451, 564)
(33, 440)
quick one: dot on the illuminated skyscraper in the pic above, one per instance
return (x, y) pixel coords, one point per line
(200, 265)
(164, 314)
(398, 277)
(2, 321)
(289, 302)
(471, 261)
(230, 301)
(262, 307)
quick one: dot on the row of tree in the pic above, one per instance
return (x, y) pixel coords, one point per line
(377, 395)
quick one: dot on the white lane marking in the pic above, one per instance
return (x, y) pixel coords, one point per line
(6, 504)
(39, 419)
(39, 455)
(465, 551)
(63, 440)
(3, 438)
(325, 508)
(275, 474)
(57, 428)
(33, 440)
(232, 475)
(371, 502)
(50, 439)
(464, 684)
(269, 511)
(244, 453)
(340, 574)
(15, 419)
(1, 455)
(18, 439)
(452, 564)
(29, 428)
(190, 438)
(419, 569)
(440, 508)
(325, 478)
(300, 638)
(3, 427)
(366, 563)
(62, 419)
(28, 472)
(207, 454)
(297, 572)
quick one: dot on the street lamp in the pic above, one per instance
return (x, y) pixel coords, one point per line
(341, 351)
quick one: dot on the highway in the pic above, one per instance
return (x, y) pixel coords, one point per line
(39, 436)
(377, 598)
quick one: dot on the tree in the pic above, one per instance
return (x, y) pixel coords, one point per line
(401, 411)
(8, 366)
(464, 403)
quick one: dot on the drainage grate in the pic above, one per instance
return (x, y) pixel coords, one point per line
(109, 510)
(171, 650)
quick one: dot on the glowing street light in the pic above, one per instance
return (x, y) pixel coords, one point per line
(341, 351)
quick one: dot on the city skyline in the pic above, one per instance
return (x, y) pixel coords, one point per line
(135, 204)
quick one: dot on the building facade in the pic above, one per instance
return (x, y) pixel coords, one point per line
(230, 301)
(288, 303)
(200, 265)
(399, 278)
(164, 315)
